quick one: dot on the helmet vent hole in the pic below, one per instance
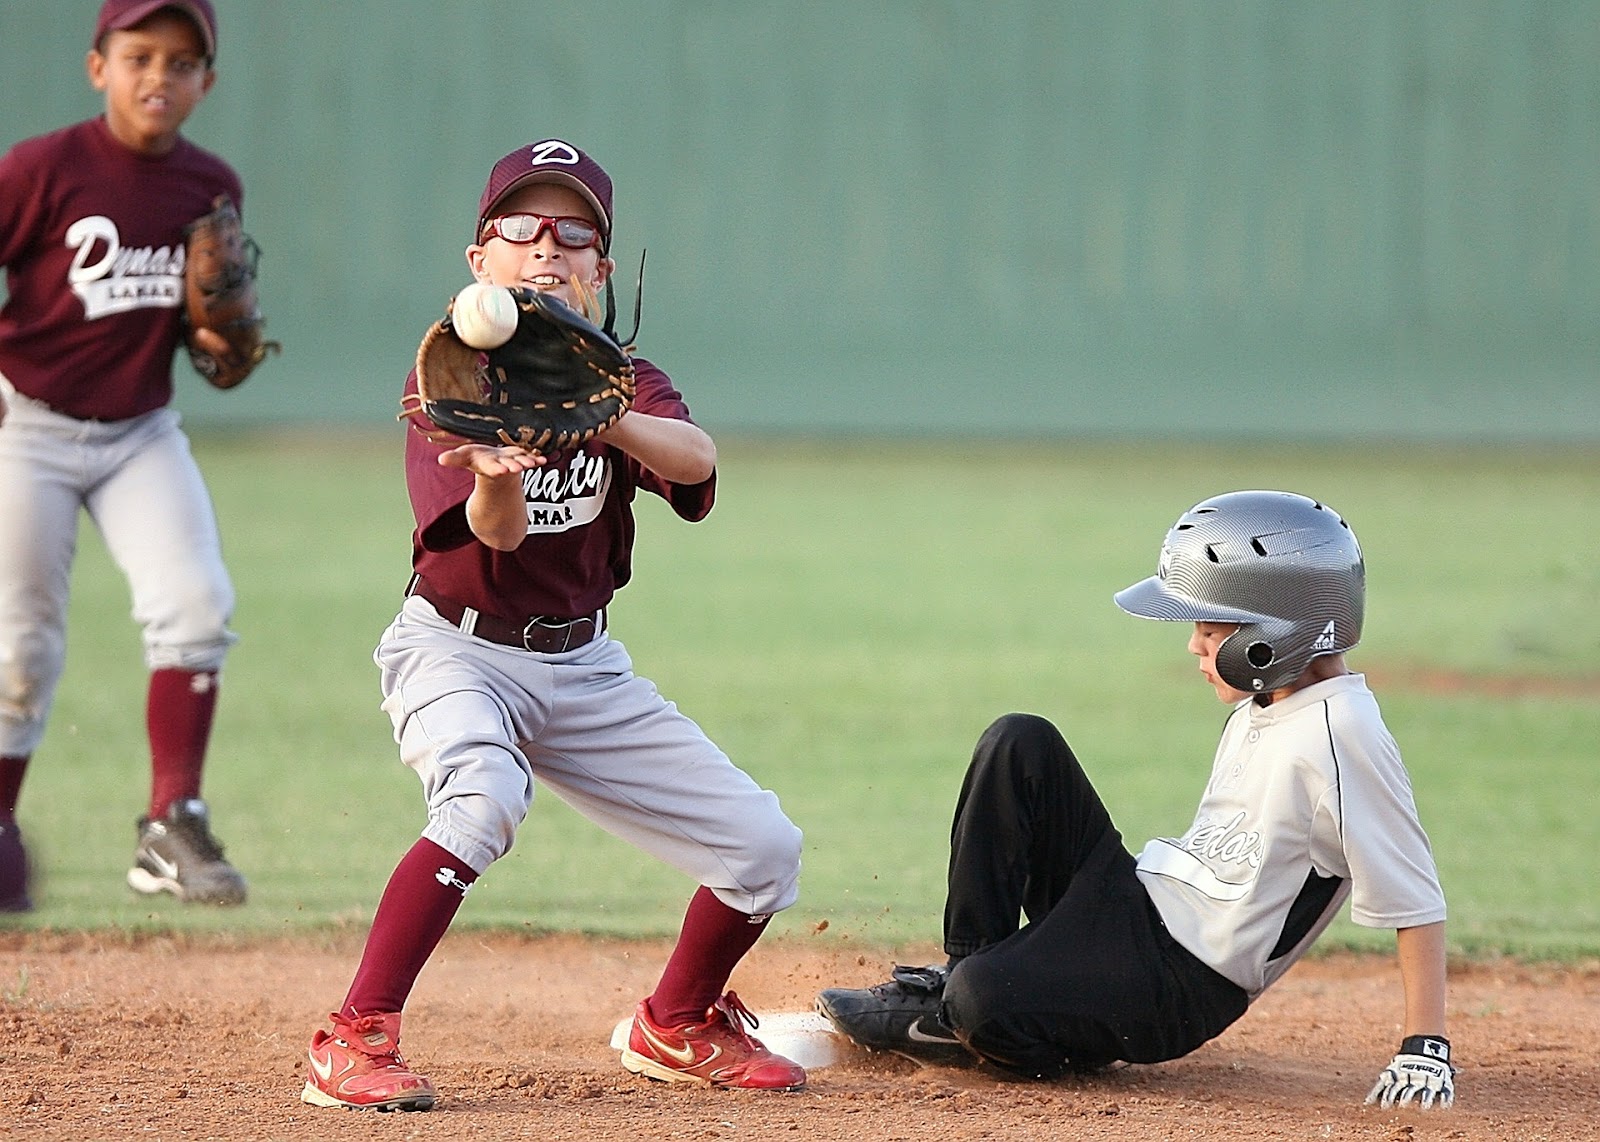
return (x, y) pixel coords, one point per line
(1260, 548)
(1259, 655)
(1211, 553)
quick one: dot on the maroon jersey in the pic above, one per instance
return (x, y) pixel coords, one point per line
(91, 235)
(579, 548)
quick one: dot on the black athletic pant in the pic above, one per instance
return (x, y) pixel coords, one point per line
(1094, 976)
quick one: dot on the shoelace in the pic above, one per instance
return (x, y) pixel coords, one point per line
(738, 1016)
(921, 981)
(353, 1035)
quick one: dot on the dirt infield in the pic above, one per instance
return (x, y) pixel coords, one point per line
(203, 1038)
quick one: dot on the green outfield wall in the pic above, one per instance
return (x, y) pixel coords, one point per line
(1127, 217)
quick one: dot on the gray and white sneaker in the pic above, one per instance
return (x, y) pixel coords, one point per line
(901, 1015)
(178, 854)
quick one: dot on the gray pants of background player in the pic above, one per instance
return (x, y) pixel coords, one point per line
(140, 485)
(481, 723)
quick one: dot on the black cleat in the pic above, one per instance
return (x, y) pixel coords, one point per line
(13, 870)
(901, 1015)
(178, 854)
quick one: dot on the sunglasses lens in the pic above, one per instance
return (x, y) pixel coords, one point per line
(575, 233)
(515, 227)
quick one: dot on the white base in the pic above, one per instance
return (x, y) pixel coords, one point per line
(803, 1036)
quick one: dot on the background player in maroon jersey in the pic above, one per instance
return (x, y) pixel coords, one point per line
(500, 672)
(92, 222)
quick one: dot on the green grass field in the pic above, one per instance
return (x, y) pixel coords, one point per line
(845, 624)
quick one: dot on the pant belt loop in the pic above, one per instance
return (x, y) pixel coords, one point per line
(469, 620)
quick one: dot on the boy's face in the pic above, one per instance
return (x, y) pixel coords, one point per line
(1203, 645)
(153, 76)
(543, 264)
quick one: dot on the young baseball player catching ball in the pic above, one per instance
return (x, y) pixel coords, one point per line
(1145, 958)
(92, 235)
(500, 674)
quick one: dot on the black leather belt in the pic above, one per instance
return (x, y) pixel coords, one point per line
(538, 633)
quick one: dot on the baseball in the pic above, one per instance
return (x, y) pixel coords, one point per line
(484, 316)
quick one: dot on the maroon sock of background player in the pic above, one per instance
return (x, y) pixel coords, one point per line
(713, 941)
(178, 713)
(425, 890)
(11, 771)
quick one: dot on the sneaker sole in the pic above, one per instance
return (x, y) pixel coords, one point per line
(649, 1068)
(146, 882)
(316, 1097)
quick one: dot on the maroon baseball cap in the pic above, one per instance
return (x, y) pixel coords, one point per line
(120, 15)
(550, 161)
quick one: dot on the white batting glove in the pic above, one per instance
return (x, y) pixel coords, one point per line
(1421, 1073)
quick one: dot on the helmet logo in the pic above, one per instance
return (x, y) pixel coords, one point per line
(1325, 640)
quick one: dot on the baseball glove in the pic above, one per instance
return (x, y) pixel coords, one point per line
(219, 280)
(555, 384)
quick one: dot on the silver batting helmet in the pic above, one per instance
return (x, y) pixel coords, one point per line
(1284, 567)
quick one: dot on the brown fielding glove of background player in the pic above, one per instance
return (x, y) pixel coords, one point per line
(223, 323)
(556, 382)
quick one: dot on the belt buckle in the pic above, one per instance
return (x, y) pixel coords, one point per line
(537, 623)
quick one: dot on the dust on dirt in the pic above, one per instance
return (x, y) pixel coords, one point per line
(186, 1037)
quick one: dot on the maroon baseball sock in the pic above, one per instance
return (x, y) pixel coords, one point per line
(713, 941)
(425, 890)
(178, 714)
(11, 771)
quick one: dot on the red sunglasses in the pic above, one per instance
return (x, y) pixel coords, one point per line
(524, 229)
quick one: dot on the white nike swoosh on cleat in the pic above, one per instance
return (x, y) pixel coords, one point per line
(917, 1035)
(683, 1055)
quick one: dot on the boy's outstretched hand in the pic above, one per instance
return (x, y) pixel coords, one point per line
(1420, 1074)
(490, 459)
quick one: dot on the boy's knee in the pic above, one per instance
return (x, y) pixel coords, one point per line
(190, 630)
(1021, 740)
(778, 859)
(1021, 729)
(477, 827)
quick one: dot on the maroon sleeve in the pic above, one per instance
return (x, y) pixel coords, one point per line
(655, 396)
(438, 495)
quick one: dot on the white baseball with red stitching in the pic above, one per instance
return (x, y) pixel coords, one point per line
(484, 316)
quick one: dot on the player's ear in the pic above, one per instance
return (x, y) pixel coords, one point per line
(475, 263)
(95, 65)
(603, 269)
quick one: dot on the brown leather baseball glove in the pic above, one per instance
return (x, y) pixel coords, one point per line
(555, 384)
(223, 323)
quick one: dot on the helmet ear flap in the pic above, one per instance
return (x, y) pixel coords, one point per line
(1259, 657)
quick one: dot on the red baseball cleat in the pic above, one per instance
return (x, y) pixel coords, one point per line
(359, 1067)
(718, 1052)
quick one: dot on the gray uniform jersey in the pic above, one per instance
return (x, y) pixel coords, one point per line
(1308, 805)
